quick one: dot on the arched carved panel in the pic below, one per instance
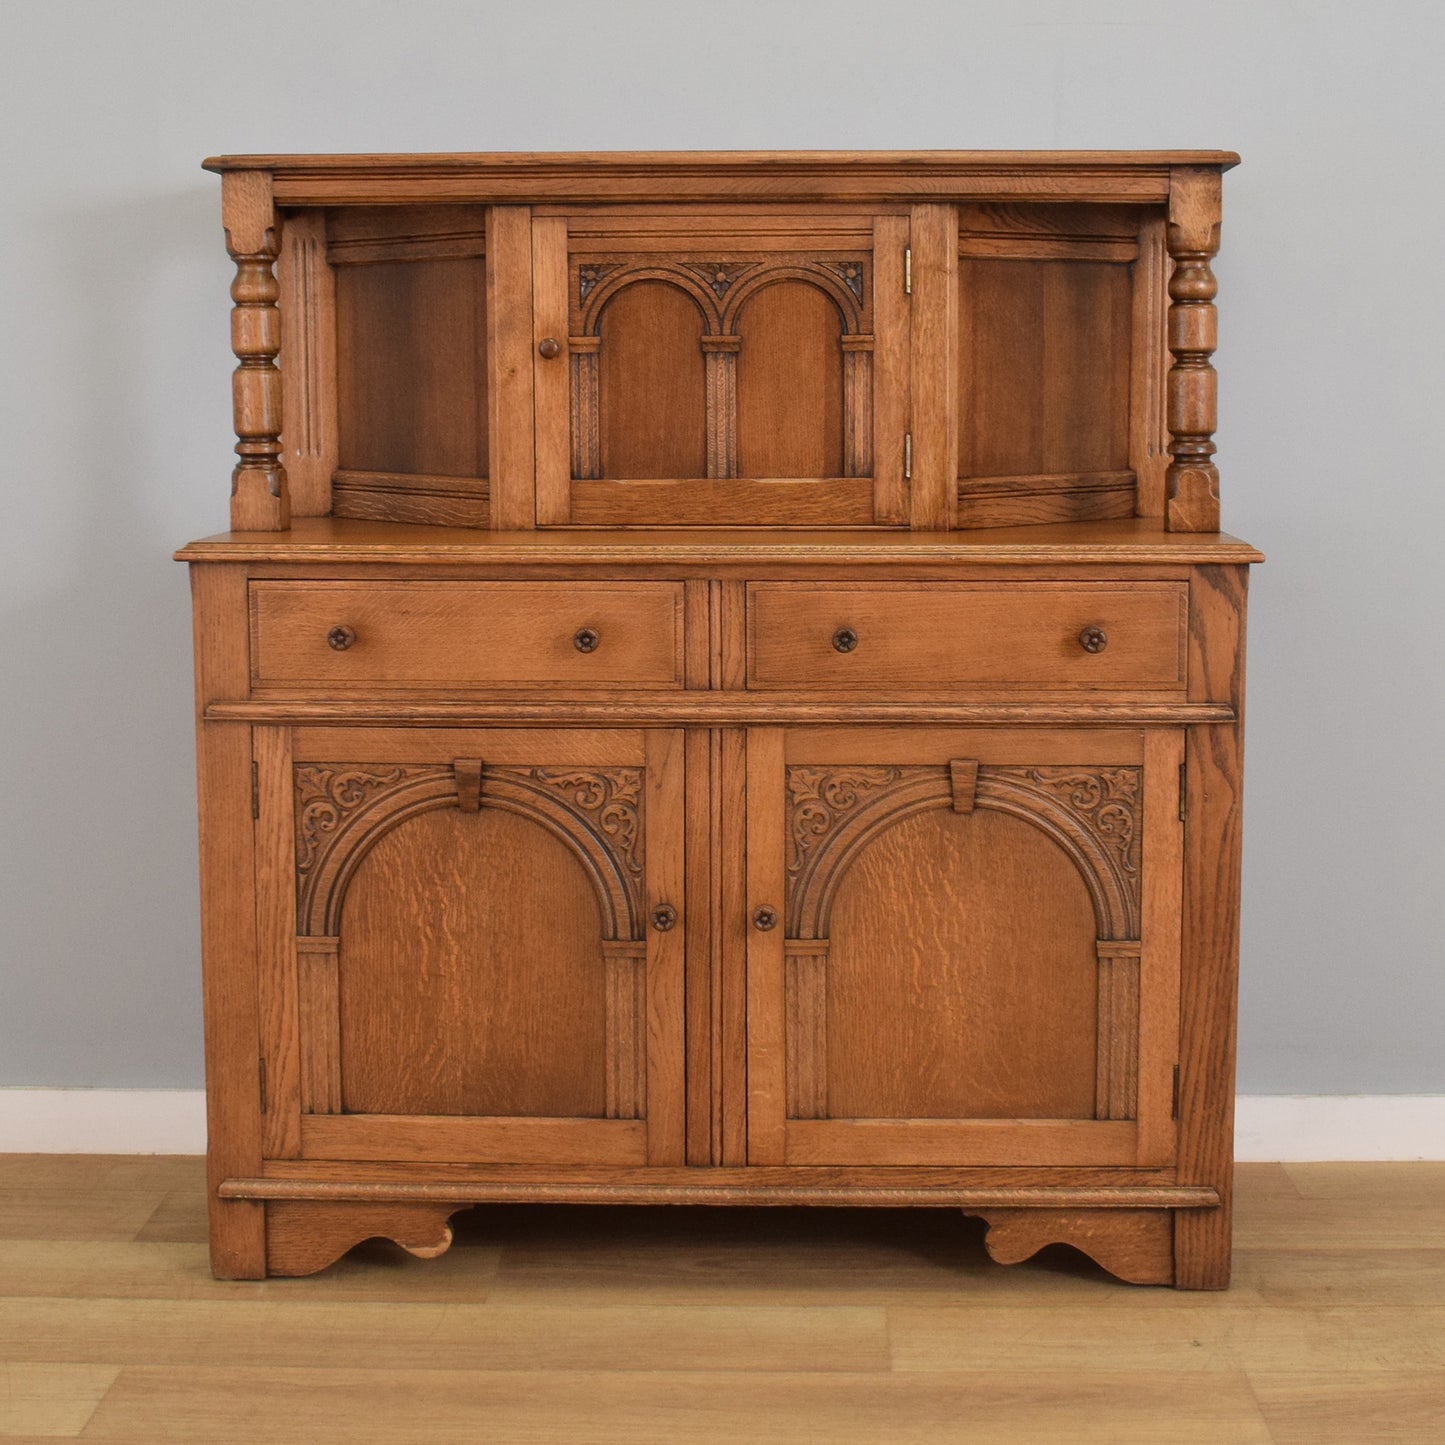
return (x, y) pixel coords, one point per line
(1092, 814)
(342, 810)
(651, 381)
(721, 290)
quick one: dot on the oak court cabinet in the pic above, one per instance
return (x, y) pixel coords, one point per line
(724, 686)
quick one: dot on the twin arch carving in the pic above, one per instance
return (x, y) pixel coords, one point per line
(342, 811)
(720, 291)
(1092, 814)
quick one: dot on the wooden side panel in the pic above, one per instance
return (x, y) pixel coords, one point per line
(412, 376)
(472, 975)
(1209, 980)
(1043, 381)
(228, 924)
(790, 384)
(961, 975)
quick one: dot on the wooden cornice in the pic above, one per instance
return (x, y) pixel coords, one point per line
(878, 176)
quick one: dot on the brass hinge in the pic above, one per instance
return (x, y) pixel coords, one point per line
(908, 456)
(1183, 791)
(1175, 1106)
(261, 1072)
(255, 791)
(908, 270)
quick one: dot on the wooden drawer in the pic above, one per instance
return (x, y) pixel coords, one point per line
(465, 634)
(926, 636)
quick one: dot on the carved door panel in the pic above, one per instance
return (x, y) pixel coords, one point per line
(965, 946)
(704, 366)
(472, 944)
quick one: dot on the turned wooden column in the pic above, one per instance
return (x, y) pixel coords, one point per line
(260, 501)
(1192, 480)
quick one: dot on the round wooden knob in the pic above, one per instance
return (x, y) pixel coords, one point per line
(663, 917)
(341, 637)
(1093, 639)
(549, 349)
(765, 918)
(845, 639)
(586, 640)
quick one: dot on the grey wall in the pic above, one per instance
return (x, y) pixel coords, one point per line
(116, 394)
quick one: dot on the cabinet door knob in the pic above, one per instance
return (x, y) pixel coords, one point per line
(548, 349)
(586, 639)
(765, 918)
(1093, 639)
(845, 639)
(341, 637)
(663, 917)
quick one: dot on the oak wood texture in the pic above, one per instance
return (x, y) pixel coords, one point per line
(457, 634)
(944, 635)
(330, 539)
(747, 707)
(863, 1324)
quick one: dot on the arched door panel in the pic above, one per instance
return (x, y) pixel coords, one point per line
(978, 958)
(470, 968)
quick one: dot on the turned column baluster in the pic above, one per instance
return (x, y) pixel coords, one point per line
(1192, 480)
(260, 500)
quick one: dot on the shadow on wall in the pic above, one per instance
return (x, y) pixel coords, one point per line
(101, 978)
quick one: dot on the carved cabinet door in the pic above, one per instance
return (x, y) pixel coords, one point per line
(964, 946)
(471, 944)
(720, 366)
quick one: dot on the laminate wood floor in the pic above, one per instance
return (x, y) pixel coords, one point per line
(825, 1327)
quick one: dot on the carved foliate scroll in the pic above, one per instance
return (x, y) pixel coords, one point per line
(343, 809)
(1093, 814)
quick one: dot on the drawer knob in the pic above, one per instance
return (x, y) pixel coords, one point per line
(1093, 639)
(549, 349)
(845, 639)
(341, 638)
(585, 639)
(664, 916)
(765, 918)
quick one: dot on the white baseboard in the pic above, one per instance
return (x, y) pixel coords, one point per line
(1268, 1127)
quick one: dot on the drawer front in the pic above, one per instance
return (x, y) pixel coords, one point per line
(1042, 636)
(377, 636)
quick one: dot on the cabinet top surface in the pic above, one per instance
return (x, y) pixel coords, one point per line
(722, 161)
(332, 539)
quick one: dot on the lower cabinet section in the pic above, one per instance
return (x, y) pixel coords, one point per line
(951, 955)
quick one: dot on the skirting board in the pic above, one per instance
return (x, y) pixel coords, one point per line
(1292, 1128)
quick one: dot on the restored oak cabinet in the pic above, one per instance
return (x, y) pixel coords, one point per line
(725, 686)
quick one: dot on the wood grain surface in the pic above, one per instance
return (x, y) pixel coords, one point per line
(632, 1325)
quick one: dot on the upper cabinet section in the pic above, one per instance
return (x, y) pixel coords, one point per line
(937, 341)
